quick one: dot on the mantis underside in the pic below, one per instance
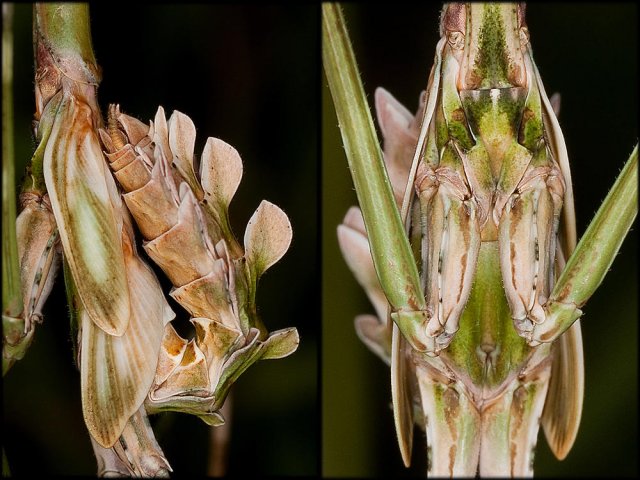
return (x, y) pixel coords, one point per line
(481, 178)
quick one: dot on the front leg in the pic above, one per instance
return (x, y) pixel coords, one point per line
(593, 256)
(527, 241)
(538, 316)
(450, 246)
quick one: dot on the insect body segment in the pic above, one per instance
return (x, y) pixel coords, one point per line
(117, 301)
(450, 243)
(39, 251)
(508, 175)
(488, 198)
(494, 158)
(183, 218)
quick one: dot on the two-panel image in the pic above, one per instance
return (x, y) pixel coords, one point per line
(320, 240)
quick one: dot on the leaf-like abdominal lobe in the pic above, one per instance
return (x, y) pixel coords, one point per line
(85, 203)
(267, 237)
(184, 220)
(117, 372)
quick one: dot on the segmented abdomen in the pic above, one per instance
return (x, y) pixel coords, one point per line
(183, 218)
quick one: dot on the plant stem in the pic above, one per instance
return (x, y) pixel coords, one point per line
(11, 289)
(14, 341)
(65, 31)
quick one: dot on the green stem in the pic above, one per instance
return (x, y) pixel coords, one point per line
(65, 32)
(11, 289)
(13, 338)
(390, 249)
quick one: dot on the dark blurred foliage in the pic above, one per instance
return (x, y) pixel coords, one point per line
(248, 75)
(588, 53)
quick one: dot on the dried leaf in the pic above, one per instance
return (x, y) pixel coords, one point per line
(400, 132)
(280, 344)
(182, 139)
(356, 251)
(217, 342)
(375, 335)
(191, 377)
(169, 250)
(220, 171)
(189, 237)
(161, 135)
(136, 130)
(134, 175)
(153, 206)
(209, 296)
(267, 237)
(171, 352)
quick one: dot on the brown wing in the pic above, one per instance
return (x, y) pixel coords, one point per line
(563, 406)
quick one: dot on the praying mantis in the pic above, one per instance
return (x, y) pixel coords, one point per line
(393, 72)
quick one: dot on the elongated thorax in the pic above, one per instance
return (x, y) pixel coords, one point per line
(489, 189)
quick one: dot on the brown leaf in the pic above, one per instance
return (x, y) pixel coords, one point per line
(267, 237)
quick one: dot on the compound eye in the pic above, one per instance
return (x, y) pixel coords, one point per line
(454, 18)
(456, 40)
(522, 8)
